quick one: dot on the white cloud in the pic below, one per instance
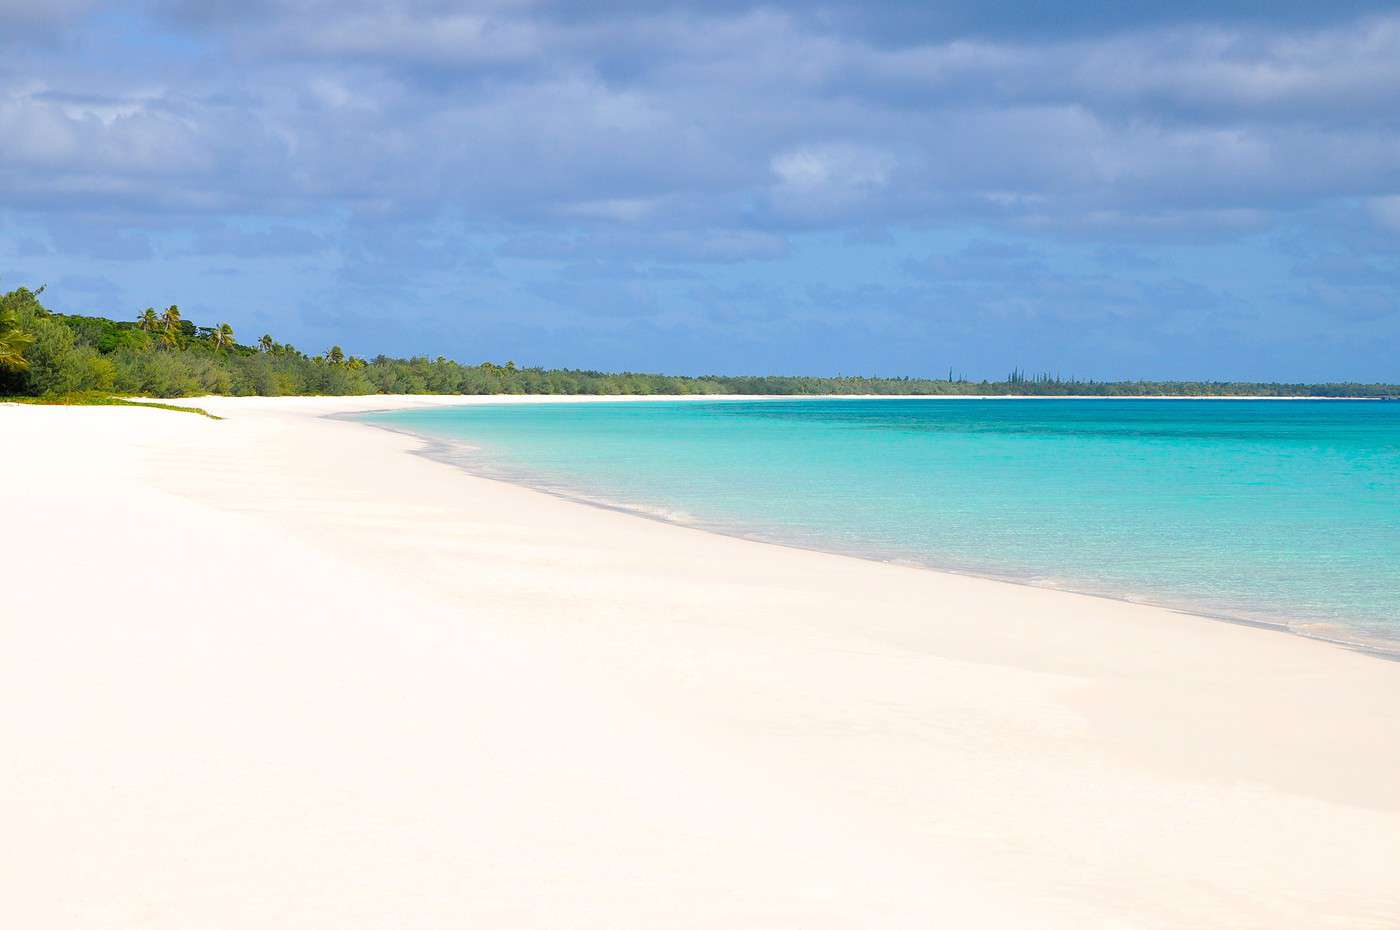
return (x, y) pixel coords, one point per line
(816, 183)
(826, 168)
(706, 118)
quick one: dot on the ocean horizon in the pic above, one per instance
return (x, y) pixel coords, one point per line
(1285, 514)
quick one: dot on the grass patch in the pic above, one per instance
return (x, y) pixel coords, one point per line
(99, 399)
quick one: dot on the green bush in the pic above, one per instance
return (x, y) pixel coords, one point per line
(154, 374)
(85, 369)
(53, 342)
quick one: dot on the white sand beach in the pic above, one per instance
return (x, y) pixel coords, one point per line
(276, 671)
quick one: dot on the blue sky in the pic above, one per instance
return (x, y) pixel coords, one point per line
(1182, 189)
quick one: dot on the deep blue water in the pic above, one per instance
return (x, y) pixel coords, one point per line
(1287, 512)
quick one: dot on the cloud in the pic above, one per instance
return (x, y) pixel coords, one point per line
(533, 157)
(815, 182)
(716, 115)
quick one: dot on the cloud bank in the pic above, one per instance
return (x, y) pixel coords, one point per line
(1176, 186)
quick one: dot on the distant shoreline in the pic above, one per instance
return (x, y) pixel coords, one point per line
(165, 355)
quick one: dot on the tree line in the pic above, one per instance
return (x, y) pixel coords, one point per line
(163, 354)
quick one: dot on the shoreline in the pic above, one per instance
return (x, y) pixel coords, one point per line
(279, 670)
(441, 450)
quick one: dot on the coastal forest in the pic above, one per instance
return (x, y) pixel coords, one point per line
(160, 353)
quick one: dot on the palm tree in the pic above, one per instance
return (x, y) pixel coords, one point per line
(266, 343)
(335, 355)
(170, 322)
(221, 337)
(13, 341)
(148, 320)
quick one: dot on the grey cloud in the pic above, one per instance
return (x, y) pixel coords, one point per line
(733, 118)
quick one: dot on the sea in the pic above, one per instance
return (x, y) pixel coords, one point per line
(1282, 513)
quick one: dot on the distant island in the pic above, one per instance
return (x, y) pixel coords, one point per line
(162, 354)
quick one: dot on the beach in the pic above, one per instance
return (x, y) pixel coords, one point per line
(278, 670)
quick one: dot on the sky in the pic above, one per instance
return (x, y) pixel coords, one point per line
(1177, 189)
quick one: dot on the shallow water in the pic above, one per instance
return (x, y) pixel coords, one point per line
(1285, 512)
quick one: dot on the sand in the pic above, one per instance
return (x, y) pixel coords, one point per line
(278, 672)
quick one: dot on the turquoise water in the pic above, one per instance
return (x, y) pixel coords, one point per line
(1286, 512)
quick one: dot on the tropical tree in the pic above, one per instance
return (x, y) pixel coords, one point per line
(335, 355)
(267, 343)
(221, 337)
(13, 341)
(170, 322)
(148, 320)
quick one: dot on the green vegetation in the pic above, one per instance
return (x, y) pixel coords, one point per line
(161, 354)
(99, 399)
